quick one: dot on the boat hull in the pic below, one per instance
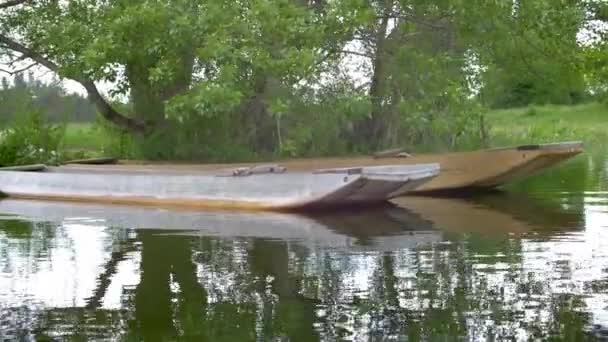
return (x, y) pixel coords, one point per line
(480, 170)
(265, 191)
(475, 170)
(487, 169)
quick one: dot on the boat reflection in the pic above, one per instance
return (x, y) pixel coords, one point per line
(116, 272)
(406, 223)
(496, 213)
(365, 230)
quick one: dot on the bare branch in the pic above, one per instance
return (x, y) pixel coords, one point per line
(11, 3)
(95, 96)
(356, 53)
(17, 59)
(14, 72)
(400, 36)
(364, 37)
(363, 86)
(434, 24)
(104, 279)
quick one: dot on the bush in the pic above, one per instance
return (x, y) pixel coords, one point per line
(30, 140)
(113, 141)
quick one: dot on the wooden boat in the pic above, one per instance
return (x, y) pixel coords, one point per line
(476, 170)
(93, 161)
(268, 187)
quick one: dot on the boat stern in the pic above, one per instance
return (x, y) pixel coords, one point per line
(377, 183)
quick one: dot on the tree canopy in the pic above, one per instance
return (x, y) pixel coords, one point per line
(310, 77)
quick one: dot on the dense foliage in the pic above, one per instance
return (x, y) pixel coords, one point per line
(30, 140)
(243, 79)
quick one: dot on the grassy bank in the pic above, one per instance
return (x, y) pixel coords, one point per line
(84, 136)
(538, 124)
(534, 124)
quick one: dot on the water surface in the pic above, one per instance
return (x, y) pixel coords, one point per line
(531, 262)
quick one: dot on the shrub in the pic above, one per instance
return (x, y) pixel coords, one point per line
(114, 142)
(30, 140)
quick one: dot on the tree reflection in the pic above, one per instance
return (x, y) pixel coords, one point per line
(169, 301)
(293, 313)
(466, 284)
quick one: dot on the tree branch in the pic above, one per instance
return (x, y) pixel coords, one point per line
(416, 20)
(14, 59)
(362, 54)
(95, 96)
(18, 70)
(396, 35)
(183, 78)
(104, 279)
(11, 3)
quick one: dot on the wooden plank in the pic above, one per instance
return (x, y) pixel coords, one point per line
(94, 161)
(392, 153)
(32, 167)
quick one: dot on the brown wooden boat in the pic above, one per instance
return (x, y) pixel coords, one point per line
(483, 169)
(486, 169)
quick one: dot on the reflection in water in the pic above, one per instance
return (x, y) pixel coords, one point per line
(495, 267)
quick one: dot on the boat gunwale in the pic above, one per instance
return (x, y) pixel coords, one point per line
(388, 170)
(556, 146)
(565, 146)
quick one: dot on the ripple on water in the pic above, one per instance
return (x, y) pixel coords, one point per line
(520, 265)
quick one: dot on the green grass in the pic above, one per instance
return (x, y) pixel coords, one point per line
(90, 140)
(83, 140)
(82, 136)
(538, 124)
(528, 125)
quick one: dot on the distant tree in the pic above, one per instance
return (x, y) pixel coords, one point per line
(427, 59)
(50, 100)
(4, 83)
(533, 54)
(596, 48)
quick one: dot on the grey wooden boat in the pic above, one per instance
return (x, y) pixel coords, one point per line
(263, 187)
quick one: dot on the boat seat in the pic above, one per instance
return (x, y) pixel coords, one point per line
(256, 169)
(392, 153)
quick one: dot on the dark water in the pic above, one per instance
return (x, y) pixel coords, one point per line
(531, 263)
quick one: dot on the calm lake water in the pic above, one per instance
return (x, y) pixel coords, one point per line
(528, 263)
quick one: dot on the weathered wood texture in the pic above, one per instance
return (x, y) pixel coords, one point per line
(460, 170)
(278, 191)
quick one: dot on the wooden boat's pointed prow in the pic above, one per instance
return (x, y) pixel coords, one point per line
(487, 169)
